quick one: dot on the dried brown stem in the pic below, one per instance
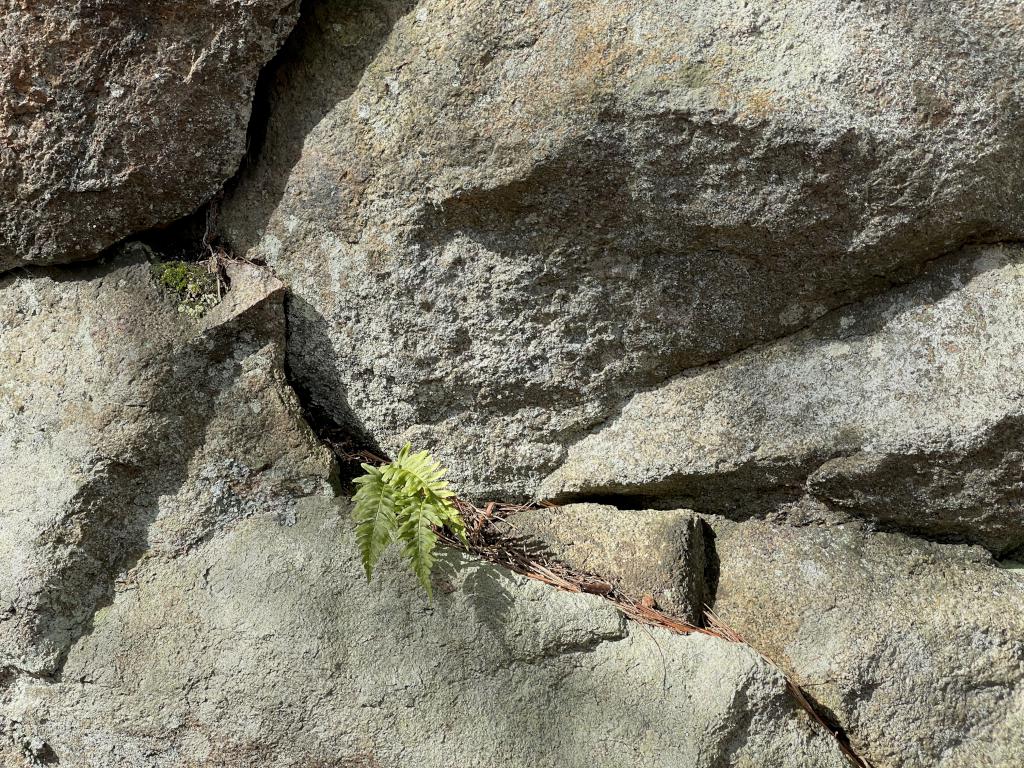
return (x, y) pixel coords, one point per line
(487, 543)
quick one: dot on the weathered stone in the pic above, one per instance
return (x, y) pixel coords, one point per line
(907, 409)
(916, 648)
(500, 221)
(649, 552)
(534, 238)
(180, 588)
(266, 646)
(117, 116)
(127, 429)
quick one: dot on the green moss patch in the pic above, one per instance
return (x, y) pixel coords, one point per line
(192, 285)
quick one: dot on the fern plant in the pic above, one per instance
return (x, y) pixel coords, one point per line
(406, 502)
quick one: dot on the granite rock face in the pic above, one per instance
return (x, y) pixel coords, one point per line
(907, 410)
(117, 116)
(127, 430)
(762, 261)
(644, 553)
(500, 222)
(181, 588)
(917, 648)
(265, 646)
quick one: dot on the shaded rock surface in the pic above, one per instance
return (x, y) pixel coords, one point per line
(116, 116)
(907, 410)
(916, 648)
(660, 554)
(129, 430)
(501, 222)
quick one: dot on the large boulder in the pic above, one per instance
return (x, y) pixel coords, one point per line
(265, 646)
(916, 648)
(501, 221)
(118, 115)
(907, 410)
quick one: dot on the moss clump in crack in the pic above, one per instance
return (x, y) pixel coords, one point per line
(193, 285)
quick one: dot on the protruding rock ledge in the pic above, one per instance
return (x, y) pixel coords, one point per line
(129, 430)
(657, 554)
(907, 409)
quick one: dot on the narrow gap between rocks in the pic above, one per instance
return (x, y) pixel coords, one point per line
(489, 544)
(753, 490)
(194, 238)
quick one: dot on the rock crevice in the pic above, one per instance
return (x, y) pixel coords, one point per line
(902, 409)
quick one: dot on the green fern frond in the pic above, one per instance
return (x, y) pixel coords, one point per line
(418, 472)
(376, 517)
(418, 538)
(453, 521)
(406, 501)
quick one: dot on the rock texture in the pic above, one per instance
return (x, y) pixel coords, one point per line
(265, 646)
(658, 554)
(501, 222)
(181, 589)
(116, 116)
(129, 431)
(907, 410)
(917, 648)
(763, 260)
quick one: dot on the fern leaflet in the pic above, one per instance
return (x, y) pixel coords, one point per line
(419, 539)
(375, 515)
